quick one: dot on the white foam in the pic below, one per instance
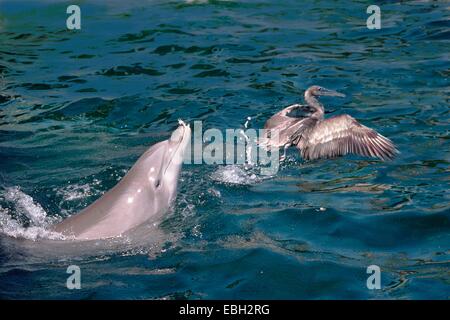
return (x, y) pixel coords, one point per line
(77, 191)
(235, 174)
(25, 205)
(38, 222)
(187, 208)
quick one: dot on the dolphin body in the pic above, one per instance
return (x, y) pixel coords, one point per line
(144, 193)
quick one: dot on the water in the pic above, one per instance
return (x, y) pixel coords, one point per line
(78, 108)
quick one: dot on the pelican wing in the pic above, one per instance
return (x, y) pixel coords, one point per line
(285, 127)
(342, 135)
(285, 133)
(288, 115)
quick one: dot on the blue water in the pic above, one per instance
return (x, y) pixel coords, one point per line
(77, 108)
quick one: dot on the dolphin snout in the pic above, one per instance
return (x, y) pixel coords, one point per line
(178, 134)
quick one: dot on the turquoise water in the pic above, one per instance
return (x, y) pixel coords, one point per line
(77, 108)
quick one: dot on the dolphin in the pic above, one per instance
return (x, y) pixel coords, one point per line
(143, 195)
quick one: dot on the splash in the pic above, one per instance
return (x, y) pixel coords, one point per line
(234, 174)
(25, 205)
(77, 191)
(27, 219)
(246, 174)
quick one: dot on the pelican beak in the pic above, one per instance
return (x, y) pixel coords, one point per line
(332, 93)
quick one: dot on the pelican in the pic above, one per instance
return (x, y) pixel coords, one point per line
(305, 127)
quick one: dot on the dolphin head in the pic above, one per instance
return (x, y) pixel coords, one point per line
(177, 145)
(164, 172)
(145, 192)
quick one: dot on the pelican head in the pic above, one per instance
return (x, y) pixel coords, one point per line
(316, 91)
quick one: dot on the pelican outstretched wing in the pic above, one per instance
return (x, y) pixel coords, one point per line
(342, 135)
(286, 126)
(288, 115)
